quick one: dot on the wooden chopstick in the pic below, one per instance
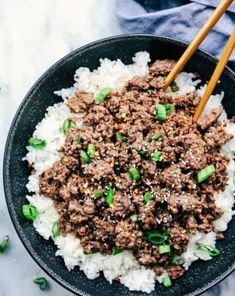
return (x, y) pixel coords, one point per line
(216, 75)
(219, 11)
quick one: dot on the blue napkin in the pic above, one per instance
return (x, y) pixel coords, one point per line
(179, 19)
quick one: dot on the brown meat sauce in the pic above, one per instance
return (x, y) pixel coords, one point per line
(179, 205)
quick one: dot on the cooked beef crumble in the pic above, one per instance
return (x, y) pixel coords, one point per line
(139, 177)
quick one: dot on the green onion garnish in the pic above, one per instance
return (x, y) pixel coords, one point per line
(121, 137)
(30, 212)
(134, 174)
(212, 251)
(109, 192)
(143, 153)
(67, 125)
(169, 108)
(147, 197)
(55, 229)
(102, 95)
(155, 237)
(79, 140)
(158, 137)
(161, 112)
(36, 143)
(166, 281)
(149, 91)
(156, 155)
(164, 74)
(98, 193)
(94, 251)
(205, 173)
(91, 150)
(84, 156)
(4, 244)
(174, 86)
(42, 283)
(164, 249)
(174, 260)
(167, 232)
(116, 251)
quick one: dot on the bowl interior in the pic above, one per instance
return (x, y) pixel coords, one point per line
(201, 275)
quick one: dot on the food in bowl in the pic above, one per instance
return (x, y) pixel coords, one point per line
(124, 181)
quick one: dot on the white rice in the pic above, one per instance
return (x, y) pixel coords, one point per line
(123, 266)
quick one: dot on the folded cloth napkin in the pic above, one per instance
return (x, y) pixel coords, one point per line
(180, 19)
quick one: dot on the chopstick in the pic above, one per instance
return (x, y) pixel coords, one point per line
(219, 11)
(216, 75)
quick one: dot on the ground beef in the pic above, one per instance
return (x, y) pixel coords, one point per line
(147, 255)
(122, 206)
(179, 237)
(185, 202)
(109, 210)
(216, 136)
(175, 271)
(100, 168)
(174, 178)
(160, 67)
(80, 102)
(206, 121)
(128, 235)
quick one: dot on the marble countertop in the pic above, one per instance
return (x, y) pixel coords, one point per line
(34, 35)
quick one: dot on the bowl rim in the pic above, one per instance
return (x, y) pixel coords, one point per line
(6, 159)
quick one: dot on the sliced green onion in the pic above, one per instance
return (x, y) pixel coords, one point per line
(67, 125)
(174, 260)
(134, 174)
(164, 74)
(174, 86)
(102, 95)
(84, 156)
(109, 192)
(91, 150)
(205, 173)
(156, 155)
(4, 244)
(134, 218)
(149, 91)
(98, 194)
(42, 283)
(161, 112)
(155, 237)
(94, 251)
(212, 251)
(79, 140)
(158, 137)
(30, 212)
(167, 232)
(164, 249)
(36, 143)
(116, 251)
(143, 153)
(55, 229)
(147, 197)
(169, 108)
(166, 281)
(121, 137)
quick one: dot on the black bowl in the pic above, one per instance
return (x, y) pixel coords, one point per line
(202, 275)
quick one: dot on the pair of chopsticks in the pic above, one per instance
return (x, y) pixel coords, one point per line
(219, 11)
